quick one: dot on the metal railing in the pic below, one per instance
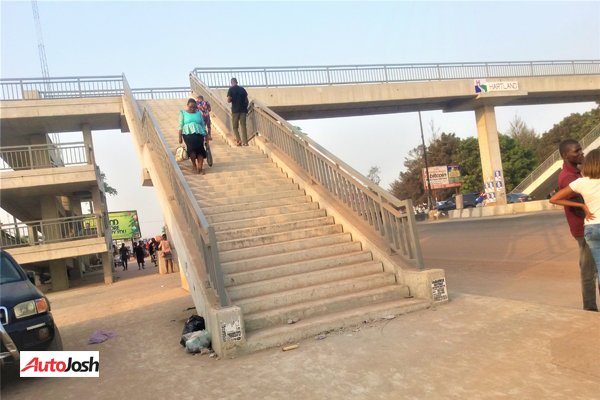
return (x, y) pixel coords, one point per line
(34, 233)
(384, 73)
(80, 87)
(44, 156)
(553, 158)
(161, 93)
(196, 226)
(389, 217)
(61, 87)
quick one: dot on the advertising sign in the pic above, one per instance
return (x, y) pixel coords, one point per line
(442, 177)
(483, 86)
(124, 224)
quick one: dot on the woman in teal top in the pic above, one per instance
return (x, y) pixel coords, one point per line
(192, 130)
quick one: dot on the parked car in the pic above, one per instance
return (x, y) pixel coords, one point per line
(469, 201)
(27, 323)
(518, 197)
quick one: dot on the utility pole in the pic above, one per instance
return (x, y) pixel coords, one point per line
(426, 163)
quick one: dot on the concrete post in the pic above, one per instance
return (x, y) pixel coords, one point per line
(107, 267)
(489, 148)
(58, 273)
(89, 143)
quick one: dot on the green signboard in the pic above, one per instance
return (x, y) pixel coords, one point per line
(124, 224)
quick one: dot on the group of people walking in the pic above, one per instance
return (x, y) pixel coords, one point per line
(141, 248)
(195, 124)
(579, 193)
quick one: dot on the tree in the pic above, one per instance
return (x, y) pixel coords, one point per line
(374, 175)
(111, 191)
(469, 159)
(524, 135)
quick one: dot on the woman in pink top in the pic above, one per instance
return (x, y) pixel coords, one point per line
(165, 247)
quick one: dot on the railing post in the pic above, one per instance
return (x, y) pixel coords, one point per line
(266, 78)
(412, 226)
(30, 151)
(328, 76)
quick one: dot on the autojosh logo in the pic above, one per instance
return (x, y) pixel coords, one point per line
(68, 364)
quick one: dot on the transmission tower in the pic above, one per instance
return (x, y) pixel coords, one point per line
(42, 53)
(40, 39)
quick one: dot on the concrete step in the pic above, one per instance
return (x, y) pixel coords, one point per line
(244, 167)
(268, 220)
(241, 163)
(330, 289)
(216, 179)
(200, 193)
(262, 173)
(254, 198)
(269, 239)
(274, 228)
(282, 248)
(342, 257)
(287, 334)
(209, 210)
(237, 212)
(217, 187)
(301, 280)
(324, 248)
(300, 312)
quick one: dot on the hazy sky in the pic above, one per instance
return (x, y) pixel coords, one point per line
(157, 44)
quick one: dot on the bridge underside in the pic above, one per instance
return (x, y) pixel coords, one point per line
(310, 102)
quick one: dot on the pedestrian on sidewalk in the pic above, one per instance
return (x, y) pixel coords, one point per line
(192, 130)
(580, 197)
(124, 252)
(152, 246)
(138, 250)
(238, 97)
(167, 254)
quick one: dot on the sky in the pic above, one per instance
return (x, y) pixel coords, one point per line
(157, 44)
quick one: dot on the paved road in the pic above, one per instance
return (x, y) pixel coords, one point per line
(525, 257)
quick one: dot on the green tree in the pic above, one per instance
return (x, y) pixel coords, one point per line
(469, 160)
(111, 191)
(517, 161)
(575, 126)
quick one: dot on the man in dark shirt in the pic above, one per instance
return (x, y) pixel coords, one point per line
(238, 97)
(572, 155)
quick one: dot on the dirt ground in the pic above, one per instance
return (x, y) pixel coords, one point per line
(474, 347)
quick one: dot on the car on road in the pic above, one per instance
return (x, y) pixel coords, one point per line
(25, 316)
(469, 201)
(518, 198)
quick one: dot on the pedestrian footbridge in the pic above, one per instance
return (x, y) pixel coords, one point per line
(280, 240)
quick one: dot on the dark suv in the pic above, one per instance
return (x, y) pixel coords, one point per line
(27, 322)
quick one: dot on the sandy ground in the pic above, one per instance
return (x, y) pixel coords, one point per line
(474, 347)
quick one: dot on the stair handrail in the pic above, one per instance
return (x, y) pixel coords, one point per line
(195, 222)
(310, 75)
(377, 207)
(592, 135)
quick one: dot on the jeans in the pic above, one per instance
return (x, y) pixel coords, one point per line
(590, 278)
(240, 119)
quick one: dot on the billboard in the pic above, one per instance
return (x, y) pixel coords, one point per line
(124, 224)
(442, 177)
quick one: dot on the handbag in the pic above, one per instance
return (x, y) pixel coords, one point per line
(209, 157)
(181, 154)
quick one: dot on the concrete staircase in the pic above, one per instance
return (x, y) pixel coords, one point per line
(284, 259)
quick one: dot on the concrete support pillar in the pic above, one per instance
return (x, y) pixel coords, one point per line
(75, 271)
(107, 267)
(58, 273)
(489, 148)
(89, 143)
